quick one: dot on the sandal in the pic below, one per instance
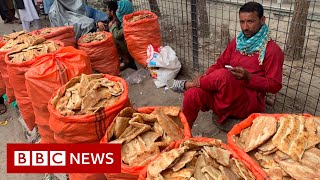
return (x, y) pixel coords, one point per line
(3, 108)
(176, 85)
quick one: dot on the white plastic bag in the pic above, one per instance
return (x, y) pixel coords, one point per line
(163, 64)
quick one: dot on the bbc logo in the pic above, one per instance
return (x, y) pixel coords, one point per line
(39, 158)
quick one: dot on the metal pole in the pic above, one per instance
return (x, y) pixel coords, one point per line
(195, 41)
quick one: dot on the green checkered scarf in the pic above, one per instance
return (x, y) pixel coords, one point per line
(255, 44)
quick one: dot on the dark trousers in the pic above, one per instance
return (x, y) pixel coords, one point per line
(4, 11)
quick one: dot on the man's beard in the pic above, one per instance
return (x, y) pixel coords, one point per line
(110, 18)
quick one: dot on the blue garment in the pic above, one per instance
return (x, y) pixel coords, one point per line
(95, 14)
(255, 44)
(47, 4)
(124, 7)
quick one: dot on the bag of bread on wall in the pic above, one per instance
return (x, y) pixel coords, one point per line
(102, 51)
(15, 42)
(64, 34)
(284, 145)
(198, 158)
(82, 110)
(144, 133)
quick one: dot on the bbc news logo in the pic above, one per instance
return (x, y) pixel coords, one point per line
(63, 158)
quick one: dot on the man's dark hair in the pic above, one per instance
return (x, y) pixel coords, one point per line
(252, 7)
(112, 5)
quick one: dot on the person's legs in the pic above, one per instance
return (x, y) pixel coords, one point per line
(36, 24)
(5, 12)
(124, 53)
(26, 26)
(231, 97)
(195, 99)
(2, 14)
(11, 9)
(225, 96)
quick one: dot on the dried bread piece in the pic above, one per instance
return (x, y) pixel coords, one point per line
(312, 126)
(266, 161)
(21, 55)
(165, 159)
(297, 170)
(275, 173)
(14, 35)
(139, 17)
(311, 158)
(93, 37)
(240, 141)
(291, 136)
(169, 126)
(185, 173)
(88, 94)
(267, 148)
(130, 125)
(241, 169)
(185, 158)
(193, 162)
(261, 130)
(145, 157)
(132, 148)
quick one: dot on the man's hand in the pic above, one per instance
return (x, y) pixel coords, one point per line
(240, 73)
(100, 26)
(111, 23)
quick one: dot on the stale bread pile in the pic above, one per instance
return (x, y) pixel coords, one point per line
(286, 148)
(46, 31)
(20, 40)
(93, 37)
(32, 51)
(198, 161)
(139, 17)
(144, 136)
(87, 94)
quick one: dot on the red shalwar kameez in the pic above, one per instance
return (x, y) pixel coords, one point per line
(227, 96)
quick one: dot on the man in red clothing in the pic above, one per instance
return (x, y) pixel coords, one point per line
(237, 91)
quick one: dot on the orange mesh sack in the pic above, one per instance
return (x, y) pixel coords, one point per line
(46, 76)
(15, 42)
(5, 76)
(102, 52)
(65, 34)
(199, 157)
(141, 29)
(261, 136)
(2, 86)
(18, 63)
(144, 133)
(82, 110)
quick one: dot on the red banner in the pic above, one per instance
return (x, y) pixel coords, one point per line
(63, 158)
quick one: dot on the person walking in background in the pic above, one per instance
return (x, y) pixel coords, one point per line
(28, 14)
(4, 12)
(12, 11)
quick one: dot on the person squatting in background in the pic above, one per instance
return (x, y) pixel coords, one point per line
(116, 10)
